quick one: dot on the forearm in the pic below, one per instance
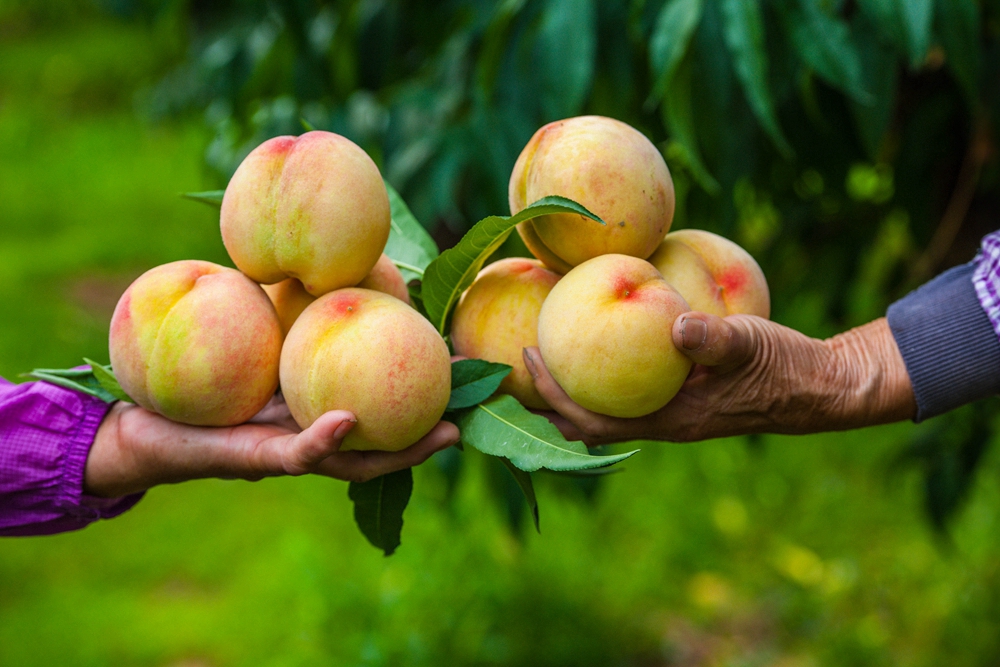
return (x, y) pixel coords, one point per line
(869, 383)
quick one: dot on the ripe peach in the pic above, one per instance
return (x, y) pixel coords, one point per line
(290, 298)
(312, 207)
(367, 352)
(196, 342)
(610, 168)
(388, 279)
(604, 334)
(714, 274)
(497, 317)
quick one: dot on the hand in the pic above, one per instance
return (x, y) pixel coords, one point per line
(752, 375)
(136, 449)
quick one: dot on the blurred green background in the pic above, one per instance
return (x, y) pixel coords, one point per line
(847, 144)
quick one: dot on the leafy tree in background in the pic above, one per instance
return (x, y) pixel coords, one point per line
(848, 144)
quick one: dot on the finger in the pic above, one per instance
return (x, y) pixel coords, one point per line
(324, 438)
(713, 341)
(457, 357)
(585, 421)
(363, 466)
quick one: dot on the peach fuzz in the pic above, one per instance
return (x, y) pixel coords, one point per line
(714, 274)
(604, 334)
(607, 166)
(290, 298)
(367, 352)
(196, 342)
(312, 207)
(497, 318)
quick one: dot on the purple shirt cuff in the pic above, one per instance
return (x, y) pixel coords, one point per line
(45, 437)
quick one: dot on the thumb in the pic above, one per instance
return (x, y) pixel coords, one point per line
(318, 441)
(713, 341)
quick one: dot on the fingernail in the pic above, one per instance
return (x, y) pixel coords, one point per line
(344, 428)
(693, 333)
(529, 363)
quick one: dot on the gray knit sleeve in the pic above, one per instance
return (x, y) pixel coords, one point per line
(951, 351)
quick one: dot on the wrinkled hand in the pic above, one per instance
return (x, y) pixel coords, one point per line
(136, 449)
(752, 375)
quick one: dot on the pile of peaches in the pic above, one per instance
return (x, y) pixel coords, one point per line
(316, 306)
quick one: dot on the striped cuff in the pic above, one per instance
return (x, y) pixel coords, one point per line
(950, 348)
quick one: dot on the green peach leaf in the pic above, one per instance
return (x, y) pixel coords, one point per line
(210, 197)
(76, 379)
(473, 381)
(410, 247)
(379, 505)
(107, 378)
(523, 480)
(501, 426)
(454, 270)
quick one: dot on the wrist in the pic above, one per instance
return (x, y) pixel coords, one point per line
(868, 383)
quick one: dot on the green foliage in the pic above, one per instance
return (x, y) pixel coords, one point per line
(503, 427)
(450, 274)
(473, 381)
(78, 379)
(409, 246)
(379, 505)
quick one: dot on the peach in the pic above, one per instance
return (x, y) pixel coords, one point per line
(497, 317)
(290, 298)
(196, 342)
(388, 279)
(367, 352)
(610, 168)
(605, 335)
(714, 274)
(312, 207)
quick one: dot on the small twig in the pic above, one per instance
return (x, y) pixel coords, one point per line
(979, 151)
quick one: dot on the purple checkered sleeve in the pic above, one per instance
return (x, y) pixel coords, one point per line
(948, 332)
(986, 279)
(45, 436)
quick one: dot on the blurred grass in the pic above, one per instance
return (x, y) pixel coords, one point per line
(777, 551)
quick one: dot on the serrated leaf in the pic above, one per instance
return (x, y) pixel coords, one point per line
(958, 22)
(454, 270)
(473, 381)
(669, 42)
(500, 426)
(567, 44)
(107, 378)
(410, 247)
(81, 380)
(824, 44)
(210, 197)
(523, 480)
(379, 505)
(678, 116)
(743, 29)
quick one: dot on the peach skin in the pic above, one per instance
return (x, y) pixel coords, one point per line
(604, 332)
(610, 168)
(497, 317)
(368, 353)
(714, 274)
(196, 342)
(290, 298)
(312, 207)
